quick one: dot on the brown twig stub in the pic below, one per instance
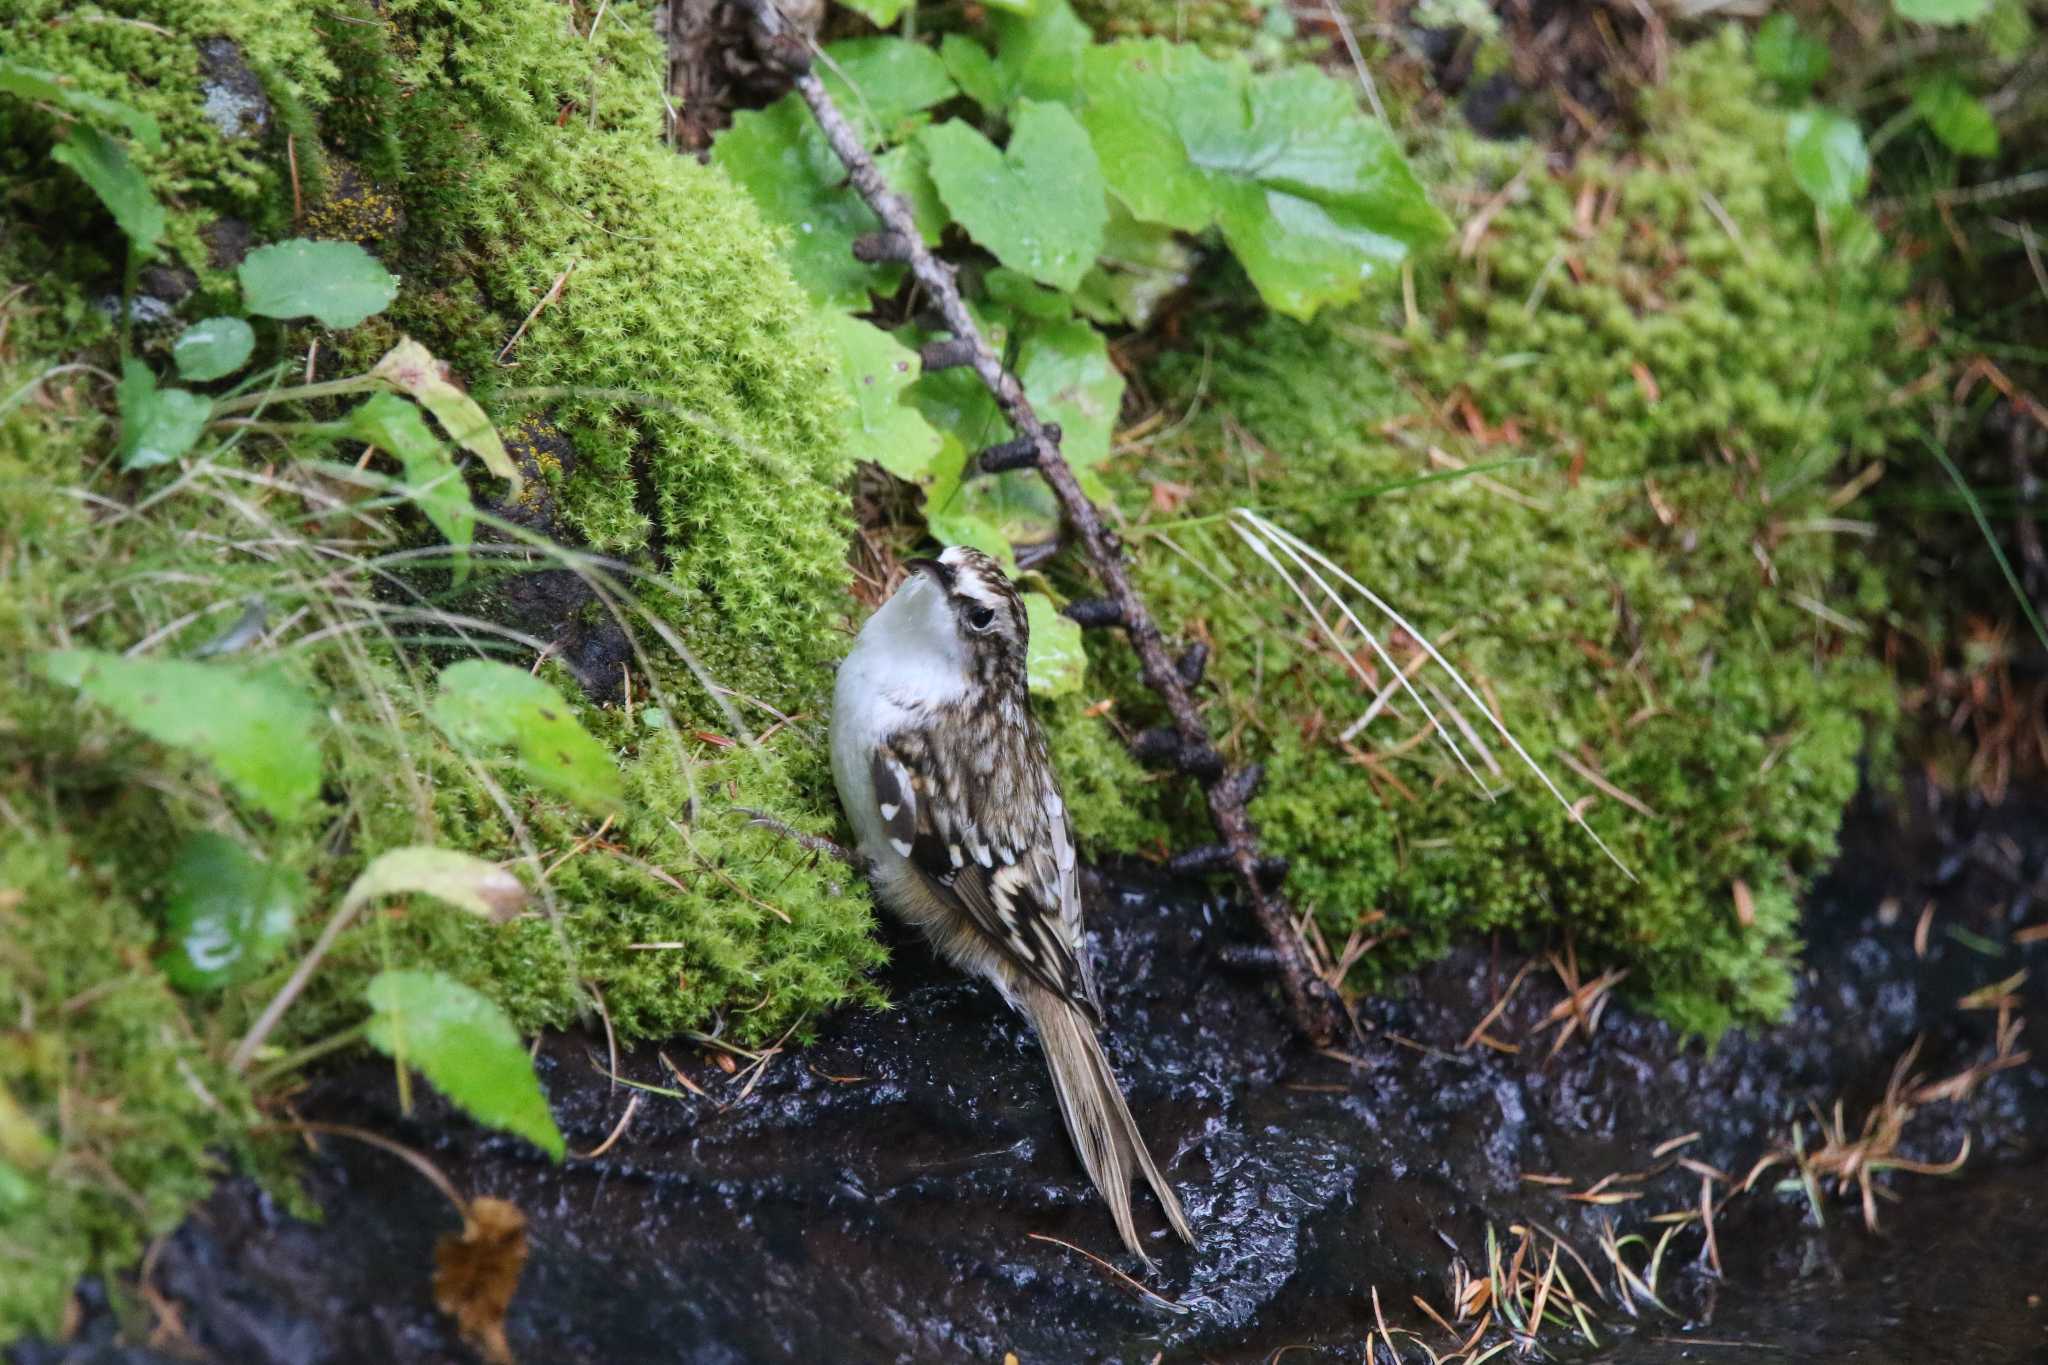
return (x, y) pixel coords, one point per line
(1312, 1002)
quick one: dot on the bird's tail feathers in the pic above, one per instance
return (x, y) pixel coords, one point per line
(1098, 1119)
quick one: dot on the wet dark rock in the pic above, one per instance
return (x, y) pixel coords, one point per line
(227, 240)
(879, 1195)
(235, 100)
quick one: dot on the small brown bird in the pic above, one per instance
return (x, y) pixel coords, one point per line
(942, 772)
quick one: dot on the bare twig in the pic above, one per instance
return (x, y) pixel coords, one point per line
(1311, 1000)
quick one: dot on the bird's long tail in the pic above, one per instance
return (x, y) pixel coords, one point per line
(1097, 1118)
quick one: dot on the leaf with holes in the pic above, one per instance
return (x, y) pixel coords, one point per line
(486, 707)
(412, 369)
(1057, 661)
(466, 1046)
(212, 348)
(338, 284)
(259, 731)
(103, 165)
(157, 425)
(1829, 160)
(1038, 204)
(880, 426)
(1957, 117)
(228, 914)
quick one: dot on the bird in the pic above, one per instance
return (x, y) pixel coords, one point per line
(959, 819)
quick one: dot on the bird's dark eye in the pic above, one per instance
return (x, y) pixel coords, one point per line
(981, 618)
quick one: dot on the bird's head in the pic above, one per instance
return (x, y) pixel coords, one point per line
(961, 609)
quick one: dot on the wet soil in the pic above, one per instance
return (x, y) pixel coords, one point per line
(883, 1193)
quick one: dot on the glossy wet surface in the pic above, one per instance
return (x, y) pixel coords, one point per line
(880, 1194)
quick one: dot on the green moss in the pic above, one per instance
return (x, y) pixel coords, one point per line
(1650, 595)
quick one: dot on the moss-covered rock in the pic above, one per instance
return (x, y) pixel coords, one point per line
(1658, 593)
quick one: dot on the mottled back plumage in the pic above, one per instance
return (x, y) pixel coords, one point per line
(947, 783)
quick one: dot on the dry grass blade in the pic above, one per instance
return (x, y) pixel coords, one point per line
(1150, 1296)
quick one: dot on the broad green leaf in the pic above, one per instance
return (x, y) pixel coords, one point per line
(485, 706)
(1037, 56)
(261, 732)
(157, 425)
(395, 426)
(880, 426)
(336, 283)
(212, 348)
(1829, 160)
(1057, 661)
(882, 82)
(101, 163)
(412, 369)
(32, 84)
(1021, 296)
(880, 13)
(1786, 55)
(228, 914)
(1066, 370)
(466, 1046)
(465, 881)
(778, 155)
(1038, 205)
(1312, 196)
(1142, 265)
(1942, 11)
(1957, 117)
(909, 174)
(947, 514)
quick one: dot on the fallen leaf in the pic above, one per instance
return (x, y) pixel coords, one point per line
(477, 1272)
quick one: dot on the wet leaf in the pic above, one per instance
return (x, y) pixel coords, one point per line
(157, 425)
(261, 732)
(1037, 204)
(778, 155)
(1037, 56)
(103, 165)
(464, 880)
(32, 84)
(880, 83)
(1829, 160)
(412, 369)
(1057, 662)
(1066, 370)
(1313, 197)
(395, 426)
(336, 283)
(228, 914)
(876, 369)
(476, 1273)
(1942, 11)
(212, 348)
(485, 707)
(466, 1046)
(1957, 117)
(1788, 56)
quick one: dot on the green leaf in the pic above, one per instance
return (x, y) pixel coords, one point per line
(1017, 293)
(909, 173)
(485, 706)
(1142, 265)
(411, 369)
(393, 425)
(880, 427)
(1067, 373)
(157, 425)
(1786, 55)
(337, 283)
(212, 348)
(778, 155)
(32, 84)
(260, 731)
(1037, 56)
(1313, 197)
(1942, 11)
(467, 1047)
(1958, 118)
(880, 83)
(1037, 205)
(1057, 661)
(465, 881)
(880, 13)
(101, 163)
(228, 914)
(1829, 160)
